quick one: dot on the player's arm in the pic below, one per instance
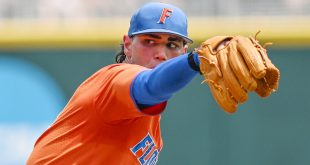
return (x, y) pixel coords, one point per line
(157, 85)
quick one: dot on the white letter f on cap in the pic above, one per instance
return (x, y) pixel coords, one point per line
(164, 14)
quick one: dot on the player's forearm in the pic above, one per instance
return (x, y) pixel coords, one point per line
(159, 84)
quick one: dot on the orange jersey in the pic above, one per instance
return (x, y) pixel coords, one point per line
(102, 125)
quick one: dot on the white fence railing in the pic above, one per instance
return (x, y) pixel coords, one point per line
(75, 9)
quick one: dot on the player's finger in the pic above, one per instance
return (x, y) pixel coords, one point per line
(272, 72)
(230, 79)
(251, 56)
(240, 68)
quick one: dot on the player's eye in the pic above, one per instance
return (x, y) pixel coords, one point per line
(149, 41)
(173, 45)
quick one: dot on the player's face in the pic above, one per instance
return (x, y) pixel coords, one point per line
(149, 50)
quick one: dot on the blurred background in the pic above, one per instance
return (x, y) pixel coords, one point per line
(49, 47)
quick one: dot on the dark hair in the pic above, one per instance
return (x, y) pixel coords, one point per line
(120, 55)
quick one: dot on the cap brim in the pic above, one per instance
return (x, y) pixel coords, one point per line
(188, 40)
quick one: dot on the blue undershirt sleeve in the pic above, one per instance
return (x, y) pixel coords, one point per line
(157, 85)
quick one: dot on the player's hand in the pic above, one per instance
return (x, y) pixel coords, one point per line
(234, 66)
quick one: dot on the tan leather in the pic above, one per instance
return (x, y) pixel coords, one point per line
(236, 68)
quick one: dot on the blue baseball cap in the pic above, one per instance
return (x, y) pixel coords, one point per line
(159, 18)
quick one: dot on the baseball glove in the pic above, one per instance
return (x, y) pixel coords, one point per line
(234, 66)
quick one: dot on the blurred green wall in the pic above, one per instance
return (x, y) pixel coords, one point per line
(195, 131)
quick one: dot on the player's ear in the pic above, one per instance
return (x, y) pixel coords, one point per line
(185, 48)
(127, 45)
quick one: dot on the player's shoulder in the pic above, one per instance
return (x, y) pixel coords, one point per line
(118, 67)
(112, 71)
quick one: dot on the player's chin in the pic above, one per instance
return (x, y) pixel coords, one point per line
(152, 66)
(156, 64)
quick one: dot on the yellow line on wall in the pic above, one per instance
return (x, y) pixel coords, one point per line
(108, 32)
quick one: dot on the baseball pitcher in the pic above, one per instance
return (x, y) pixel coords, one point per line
(114, 116)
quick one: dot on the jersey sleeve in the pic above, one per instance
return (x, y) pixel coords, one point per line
(157, 85)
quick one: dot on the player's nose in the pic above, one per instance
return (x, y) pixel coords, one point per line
(161, 54)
